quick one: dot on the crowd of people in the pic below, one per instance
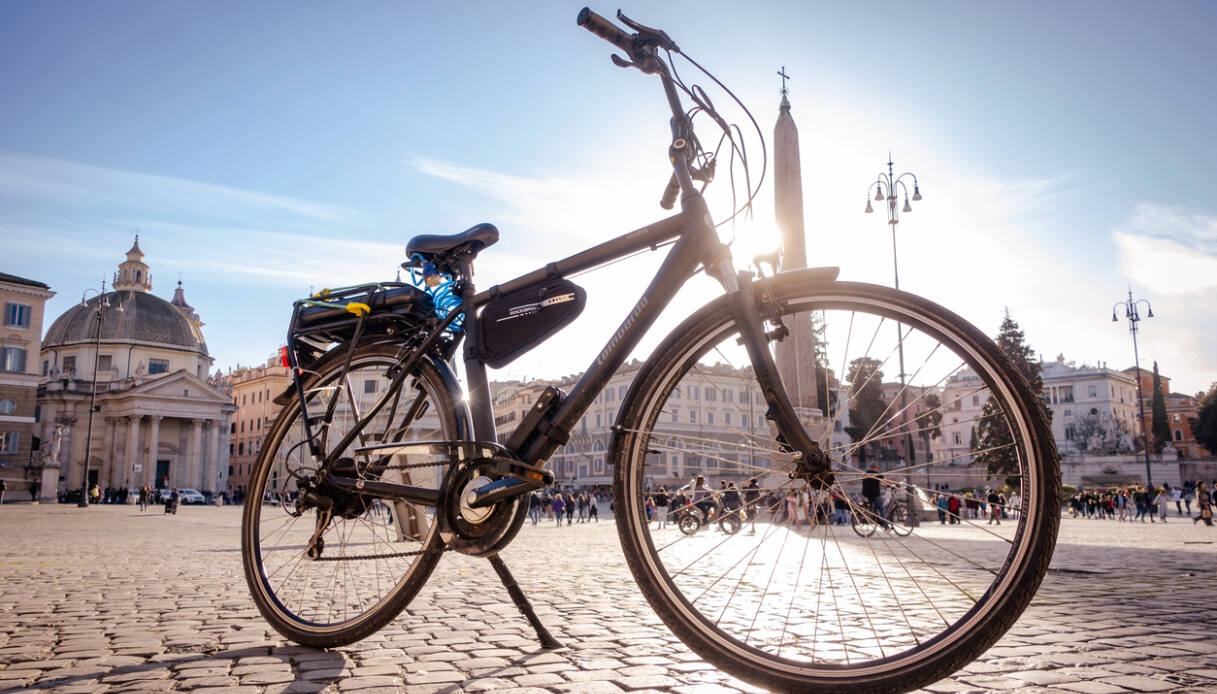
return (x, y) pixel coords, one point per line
(1138, 503)
(571, 505)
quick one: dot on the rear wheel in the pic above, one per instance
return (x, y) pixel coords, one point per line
(817, 607)
(328, 567)
(901, 519)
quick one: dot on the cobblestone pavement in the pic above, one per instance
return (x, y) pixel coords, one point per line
(108, 599)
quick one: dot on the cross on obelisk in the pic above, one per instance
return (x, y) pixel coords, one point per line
(785, 77)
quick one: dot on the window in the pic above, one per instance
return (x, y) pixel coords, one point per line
(676, 393)
(369, 386)
(1067, 394)
(1068, 413)
(597, 421)
(729, 395)
(709, 418)
(9, 442)
(1070, 432)
(975, 400)
(675, 416)
(693, 416)
(12, 359)
(241, 448)
(105, 362)
(692, 390)
(727, 415)
(46, 366)
(743, 396)
(621, 392)
(16, 315)
(158, 366)
(711, 394)
(7, 407)
(1178, 435)
(956, 438)
(1092, 391)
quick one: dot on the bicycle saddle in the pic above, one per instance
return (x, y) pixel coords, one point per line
(468, 242)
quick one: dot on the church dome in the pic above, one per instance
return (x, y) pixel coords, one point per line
(142, 318)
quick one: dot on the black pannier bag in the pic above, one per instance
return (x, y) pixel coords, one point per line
(514, 323)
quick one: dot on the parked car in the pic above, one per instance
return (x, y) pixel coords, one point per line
(191, 496)
(163, 494)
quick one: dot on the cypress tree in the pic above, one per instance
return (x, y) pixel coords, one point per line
(1159, 427)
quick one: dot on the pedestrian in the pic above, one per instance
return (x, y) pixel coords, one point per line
(592, 512)
(1164, 495)
(994, 500)
(558, 505)
(953, 509)
(661, 507)
(1204, 504)
(534, 507)
(143, 498)
(570, 508)
(943, 504)
(752, 492)
(3, 487)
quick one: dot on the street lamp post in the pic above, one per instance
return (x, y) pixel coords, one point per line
(887, 186)
(1130, 312)
(103, 301)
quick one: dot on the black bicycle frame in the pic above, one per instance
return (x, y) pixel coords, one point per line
(696, 246)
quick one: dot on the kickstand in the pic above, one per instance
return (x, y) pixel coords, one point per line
(517, 596)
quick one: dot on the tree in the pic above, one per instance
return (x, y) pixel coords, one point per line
(929, 418)
(1204, 425)
(1159, 428)
(866, 404)
(995, 441)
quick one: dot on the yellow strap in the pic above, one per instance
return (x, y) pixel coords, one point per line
(358, 308)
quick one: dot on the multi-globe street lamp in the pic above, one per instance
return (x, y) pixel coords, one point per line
(1134, 317)
(887, 187)
(103, 301)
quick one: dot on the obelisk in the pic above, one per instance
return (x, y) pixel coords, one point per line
(795, 354)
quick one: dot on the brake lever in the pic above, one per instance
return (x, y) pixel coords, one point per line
(654, 37)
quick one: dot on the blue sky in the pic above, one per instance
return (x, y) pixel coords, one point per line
(261, 149)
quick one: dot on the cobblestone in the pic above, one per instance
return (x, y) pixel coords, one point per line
(144, 619)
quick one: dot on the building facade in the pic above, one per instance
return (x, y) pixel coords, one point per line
(23, 301)
(253, 393)
(141, 362)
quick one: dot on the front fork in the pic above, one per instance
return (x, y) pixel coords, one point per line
(811, 463)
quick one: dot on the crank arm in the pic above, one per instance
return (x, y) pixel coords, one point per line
(518, 479)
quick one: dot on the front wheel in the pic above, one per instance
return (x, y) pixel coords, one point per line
(818, 607)
(328, 567)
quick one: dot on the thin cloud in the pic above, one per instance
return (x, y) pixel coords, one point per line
(74, 185)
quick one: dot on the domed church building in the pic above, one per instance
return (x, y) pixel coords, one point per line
(156, 421)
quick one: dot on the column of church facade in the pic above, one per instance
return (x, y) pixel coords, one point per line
(222, 458)
(194, 469)
(154, 443)
(213, 456)
(111, 474)
(131, 454)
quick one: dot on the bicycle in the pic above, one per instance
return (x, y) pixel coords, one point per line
(693, 517)
(375, 412)
(896, 518)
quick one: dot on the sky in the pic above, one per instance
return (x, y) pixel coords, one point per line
(264, 150)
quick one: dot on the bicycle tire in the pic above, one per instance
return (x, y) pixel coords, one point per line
(357, 595)
(730, 523)
(863, 522)
(901, 520)
(689, 523)
(884, 635)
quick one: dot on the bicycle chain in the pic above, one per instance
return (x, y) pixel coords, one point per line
(391, 555)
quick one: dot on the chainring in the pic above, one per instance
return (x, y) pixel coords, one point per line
(474, 531)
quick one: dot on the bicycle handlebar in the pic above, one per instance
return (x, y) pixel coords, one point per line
(605, 29)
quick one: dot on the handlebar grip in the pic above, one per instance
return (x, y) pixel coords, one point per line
(604, 29)
(669, 195)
